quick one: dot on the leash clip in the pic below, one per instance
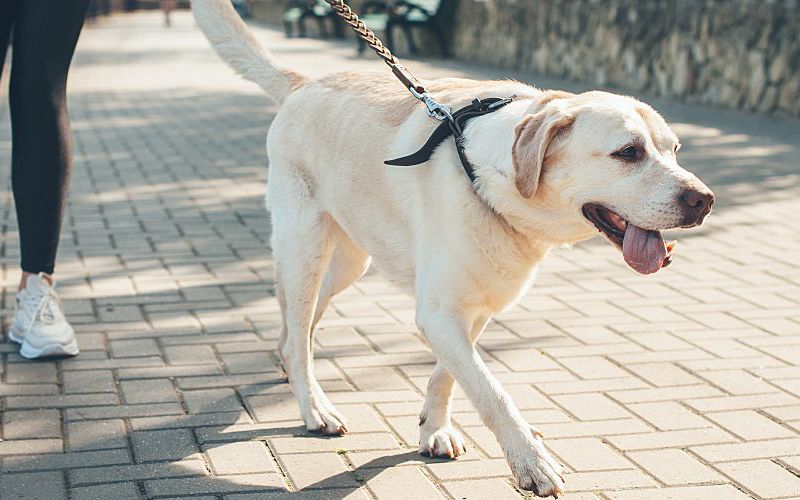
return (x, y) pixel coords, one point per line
(435, 110)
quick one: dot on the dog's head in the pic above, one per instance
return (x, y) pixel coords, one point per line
(610, 161)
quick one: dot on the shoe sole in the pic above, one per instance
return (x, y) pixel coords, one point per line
(13, 337)
(30, 352)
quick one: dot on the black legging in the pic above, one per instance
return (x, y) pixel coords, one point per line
(43, 34)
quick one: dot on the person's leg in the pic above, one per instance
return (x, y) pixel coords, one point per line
(45, 33)
(7, 8)
(6, 18)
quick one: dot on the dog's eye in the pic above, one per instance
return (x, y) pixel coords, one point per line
(676, 148)
(629, 153)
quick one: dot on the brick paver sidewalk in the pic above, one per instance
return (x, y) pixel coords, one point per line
(682, 385)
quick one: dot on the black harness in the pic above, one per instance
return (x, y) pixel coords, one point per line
(453, 125)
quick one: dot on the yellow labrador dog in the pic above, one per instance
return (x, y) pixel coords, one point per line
(552, 168)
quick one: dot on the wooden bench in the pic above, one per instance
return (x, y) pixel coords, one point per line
(383, 17)
(297, 11)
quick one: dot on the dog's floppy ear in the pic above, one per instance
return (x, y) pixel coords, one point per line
(533, 136)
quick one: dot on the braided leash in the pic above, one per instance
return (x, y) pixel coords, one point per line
(435, 110)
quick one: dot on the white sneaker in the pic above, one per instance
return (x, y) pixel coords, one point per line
(39, 324)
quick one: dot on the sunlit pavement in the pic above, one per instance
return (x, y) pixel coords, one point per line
(681, 385)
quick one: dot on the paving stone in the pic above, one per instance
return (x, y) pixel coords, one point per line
(376, 379)
(475, 489)
(29, 373)
(30, 446)
(593, 367)
(669, 415)
(211, 401)
(26, 389)
(681, 393)
(591, 385)
(407, 428)
(117, 491)
(31, 424)
(742, 402)
(134, 348)
(467, 469)
(113, 364)
(588, 429)
(196, 421)
(373, 441)
(763, 477)
(318, 471)
(591, 406)
(384, 483)
(525, 360)
(750, 425)
(333, 494)
(137, 472)
(389, 458)
(737, 382)
(586, 454)
(148, 391)
(670, 439)
(89, 381)
(262, 483)
(664, 374)
(190, 355)
(97, 434)
(123, 411)
(167, 371)
(748, 451)
(248, 362)
(69, 460)
(224, 381)
(484, 439)
(59, 401)
(34, 485)
(675, 467)
(711, 492)
(240, 458)
(170, 444)
(607, 480)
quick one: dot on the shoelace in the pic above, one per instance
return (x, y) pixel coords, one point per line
(41, 305)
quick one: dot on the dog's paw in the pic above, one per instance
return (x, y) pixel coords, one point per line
(538, 472)
(442, 443)
(326, 420)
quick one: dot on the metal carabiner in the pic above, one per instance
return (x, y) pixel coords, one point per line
(435, 110)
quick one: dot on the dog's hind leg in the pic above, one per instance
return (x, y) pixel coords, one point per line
(302, 248)
(437, 437)
(348, 263)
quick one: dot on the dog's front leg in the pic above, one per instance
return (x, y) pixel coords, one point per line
(448, 332)
(437, 437)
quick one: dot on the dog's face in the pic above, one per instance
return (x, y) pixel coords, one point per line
(611, 162)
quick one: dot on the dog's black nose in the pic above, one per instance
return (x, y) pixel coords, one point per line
(696, 204)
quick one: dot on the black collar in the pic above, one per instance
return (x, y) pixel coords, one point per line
(453, 125)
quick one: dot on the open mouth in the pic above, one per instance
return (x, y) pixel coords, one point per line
(644, 250)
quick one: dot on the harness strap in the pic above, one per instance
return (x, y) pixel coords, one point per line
(454, 126)
(452, 123)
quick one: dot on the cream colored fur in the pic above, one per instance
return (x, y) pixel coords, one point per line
(465, 253)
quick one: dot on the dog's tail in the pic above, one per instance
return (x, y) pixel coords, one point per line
(237, 46)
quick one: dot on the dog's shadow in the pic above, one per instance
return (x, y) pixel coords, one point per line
(97, 467)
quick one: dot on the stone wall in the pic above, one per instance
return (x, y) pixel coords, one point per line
(741, 54)
(735, 53)
(271, 12)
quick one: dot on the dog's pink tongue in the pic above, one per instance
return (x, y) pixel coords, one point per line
(643, 250)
